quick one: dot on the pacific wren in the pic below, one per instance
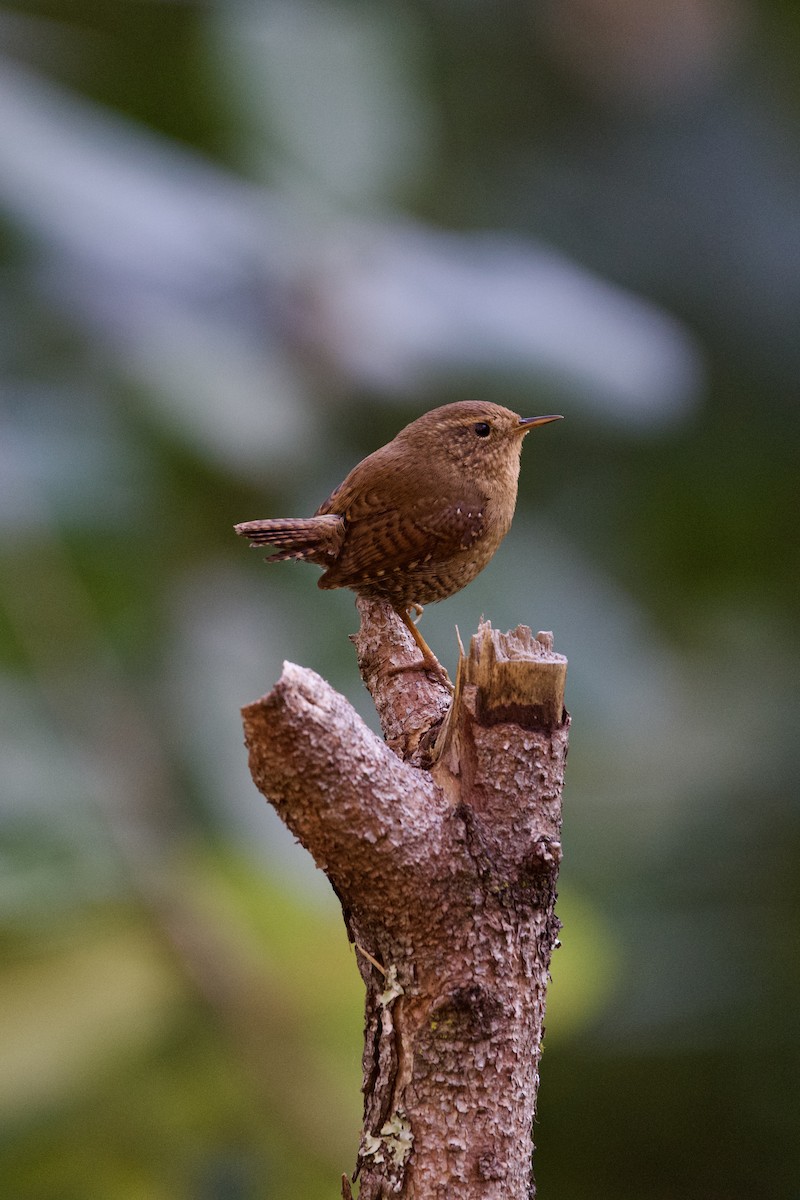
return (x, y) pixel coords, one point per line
(418, 519)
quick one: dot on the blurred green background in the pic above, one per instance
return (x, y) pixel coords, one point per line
(241, 244)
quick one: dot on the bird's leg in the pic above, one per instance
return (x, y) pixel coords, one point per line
(429, 660)
(418, 609)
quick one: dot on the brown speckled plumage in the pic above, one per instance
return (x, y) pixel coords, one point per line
(417, 520)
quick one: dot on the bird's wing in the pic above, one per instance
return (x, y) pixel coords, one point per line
(393, 518)
(454, 526)
(388, 533)
(371, 484)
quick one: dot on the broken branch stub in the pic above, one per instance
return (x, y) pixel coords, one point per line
(447, 875)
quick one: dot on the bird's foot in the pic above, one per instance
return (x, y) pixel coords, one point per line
(429, 662)
(432, 665)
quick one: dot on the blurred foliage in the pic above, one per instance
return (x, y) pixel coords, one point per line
(240, 245)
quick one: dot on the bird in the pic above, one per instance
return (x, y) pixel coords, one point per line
(415, 521)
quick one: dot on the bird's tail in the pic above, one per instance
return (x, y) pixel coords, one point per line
(314, 539)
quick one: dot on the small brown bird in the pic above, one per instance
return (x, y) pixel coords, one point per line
(417, 520)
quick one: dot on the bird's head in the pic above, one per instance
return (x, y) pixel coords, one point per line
(479, 437)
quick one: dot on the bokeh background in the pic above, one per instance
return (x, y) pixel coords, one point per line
(241, 244)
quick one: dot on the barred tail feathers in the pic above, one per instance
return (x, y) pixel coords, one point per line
(313, 539)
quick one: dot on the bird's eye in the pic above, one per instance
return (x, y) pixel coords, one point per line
(482, 429)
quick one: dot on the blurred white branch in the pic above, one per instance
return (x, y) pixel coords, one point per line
(408, 304)
(203, 287)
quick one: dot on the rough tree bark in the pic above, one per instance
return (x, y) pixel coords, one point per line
(443, 845)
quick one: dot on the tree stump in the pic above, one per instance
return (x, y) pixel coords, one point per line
(443, 845)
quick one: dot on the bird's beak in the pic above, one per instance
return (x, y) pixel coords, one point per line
(527, 423)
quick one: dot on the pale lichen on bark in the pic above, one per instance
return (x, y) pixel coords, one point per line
(443, 845)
